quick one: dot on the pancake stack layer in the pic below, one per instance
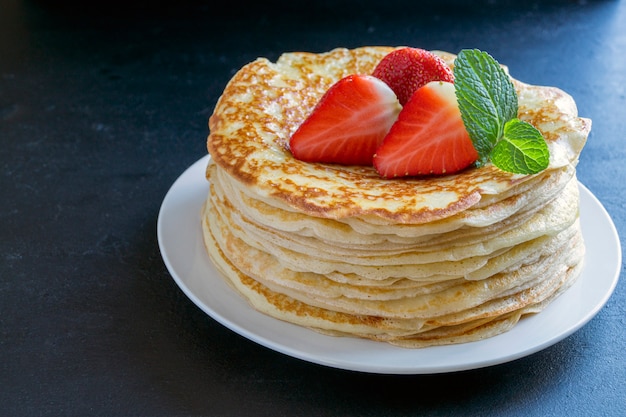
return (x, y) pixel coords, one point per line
(413, 262)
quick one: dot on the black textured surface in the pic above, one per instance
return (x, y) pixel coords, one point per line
(103, 105)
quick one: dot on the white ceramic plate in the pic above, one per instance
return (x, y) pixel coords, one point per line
(180, 241)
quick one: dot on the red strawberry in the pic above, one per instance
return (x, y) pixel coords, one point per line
(429, 136)
(405, 70)
(348, 123)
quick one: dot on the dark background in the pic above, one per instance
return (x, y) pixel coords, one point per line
(103, 105)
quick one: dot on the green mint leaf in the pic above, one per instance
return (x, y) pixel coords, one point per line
(487, 99)
(522, 149)
(488, 104)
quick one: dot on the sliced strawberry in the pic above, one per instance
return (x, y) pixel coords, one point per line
(405, 70)
(428, 138)
(348, 123)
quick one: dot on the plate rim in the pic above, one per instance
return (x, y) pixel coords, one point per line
(190, 182)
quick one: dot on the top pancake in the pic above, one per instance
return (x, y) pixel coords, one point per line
(265, 102)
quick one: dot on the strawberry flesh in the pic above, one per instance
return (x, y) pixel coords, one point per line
(405, 70)
(429, 137)
(348, 123)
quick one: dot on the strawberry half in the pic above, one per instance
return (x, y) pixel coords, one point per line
(405, 70)
(348, 123)
(428, 138)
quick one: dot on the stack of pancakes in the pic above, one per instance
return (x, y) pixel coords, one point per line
(413, 261)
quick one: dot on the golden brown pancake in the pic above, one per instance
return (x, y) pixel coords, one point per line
(413, 262)
(265, 102)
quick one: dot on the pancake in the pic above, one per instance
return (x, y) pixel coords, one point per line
(265, 102)
(413, 262)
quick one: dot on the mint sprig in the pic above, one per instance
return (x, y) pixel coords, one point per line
(488, 104)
